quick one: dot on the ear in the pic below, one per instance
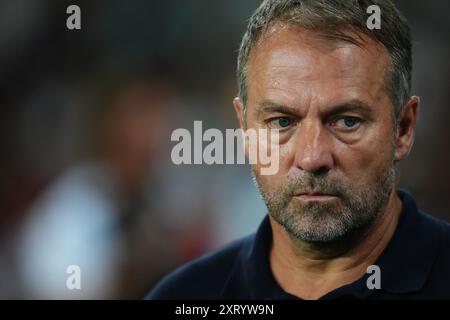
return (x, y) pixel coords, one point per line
(239, 108)
(406, 128)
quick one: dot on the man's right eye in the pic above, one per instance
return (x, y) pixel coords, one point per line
(280, 123)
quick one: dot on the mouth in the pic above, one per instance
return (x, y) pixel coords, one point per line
(315, 196)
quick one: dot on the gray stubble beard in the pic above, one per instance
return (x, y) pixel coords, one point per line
(330, 223)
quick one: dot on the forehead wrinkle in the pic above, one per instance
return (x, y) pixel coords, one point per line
(307, 65)
(284, 41)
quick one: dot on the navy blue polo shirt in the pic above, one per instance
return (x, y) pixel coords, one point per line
(414, 265)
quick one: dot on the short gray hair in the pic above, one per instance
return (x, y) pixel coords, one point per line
(336, 18)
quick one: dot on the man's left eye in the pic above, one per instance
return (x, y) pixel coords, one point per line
(347, 122)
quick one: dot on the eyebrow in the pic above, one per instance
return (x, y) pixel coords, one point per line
(354, 105)
(268, 106)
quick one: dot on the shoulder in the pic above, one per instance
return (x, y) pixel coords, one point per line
(445, 238)
(202, 278)
(438, 226)
(439, 230)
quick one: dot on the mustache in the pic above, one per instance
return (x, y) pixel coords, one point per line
(311, 184)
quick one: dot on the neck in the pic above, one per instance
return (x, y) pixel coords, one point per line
(310, 271)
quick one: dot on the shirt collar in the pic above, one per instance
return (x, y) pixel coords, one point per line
(404, 264)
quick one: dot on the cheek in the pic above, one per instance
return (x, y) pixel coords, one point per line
(364, 161)
(275, 179)
(287, 156)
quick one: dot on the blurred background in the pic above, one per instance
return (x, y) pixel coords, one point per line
(85, 122)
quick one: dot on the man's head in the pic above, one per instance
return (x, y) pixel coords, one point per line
(338, 94)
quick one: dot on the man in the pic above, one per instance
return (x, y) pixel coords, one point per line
(338, 94)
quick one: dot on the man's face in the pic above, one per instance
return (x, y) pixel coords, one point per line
(328, 100)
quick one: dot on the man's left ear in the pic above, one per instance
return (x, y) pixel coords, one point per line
(406, 126)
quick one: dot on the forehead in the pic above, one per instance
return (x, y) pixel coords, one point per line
(290, 63)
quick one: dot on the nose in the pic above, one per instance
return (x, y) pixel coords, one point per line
(312, 148)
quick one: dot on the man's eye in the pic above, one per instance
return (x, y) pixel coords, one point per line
(347, 122)
(280, 123)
